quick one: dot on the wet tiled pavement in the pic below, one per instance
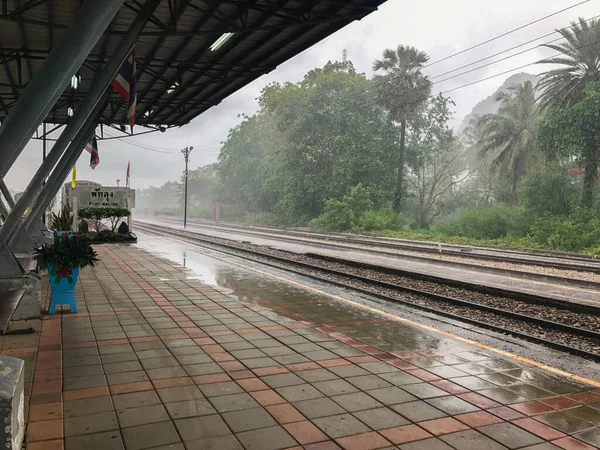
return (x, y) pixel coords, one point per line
(155, 359)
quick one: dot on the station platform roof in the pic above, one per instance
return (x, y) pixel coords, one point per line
(191, 55)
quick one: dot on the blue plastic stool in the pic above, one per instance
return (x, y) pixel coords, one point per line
(63, 288)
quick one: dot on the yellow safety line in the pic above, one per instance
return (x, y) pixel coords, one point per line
(411, 322)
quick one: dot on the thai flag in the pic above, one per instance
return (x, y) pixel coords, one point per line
(124, 83)
(92, 148)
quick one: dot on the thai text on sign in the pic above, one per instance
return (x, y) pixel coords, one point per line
(105, 196)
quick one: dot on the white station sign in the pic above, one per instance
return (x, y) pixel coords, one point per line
(104, 196)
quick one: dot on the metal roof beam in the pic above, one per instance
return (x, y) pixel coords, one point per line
(173, 25)
(196, 55)
(187, 116)
(174, 55)
(279, 26)
(144, 66)
(231, 45)
(52, 130)
(8, 72)
(33, 21)
(204, 78)
(153, 19)
(31, 4)
(3, 106)
(11, 54)
(45, 89)
(50, 29)
(214, 12)
(24, 42)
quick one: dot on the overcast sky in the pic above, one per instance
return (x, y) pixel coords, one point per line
(439, 27)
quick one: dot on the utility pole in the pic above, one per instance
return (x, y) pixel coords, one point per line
(186, 153)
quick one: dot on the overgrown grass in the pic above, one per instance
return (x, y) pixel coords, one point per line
(428, 235)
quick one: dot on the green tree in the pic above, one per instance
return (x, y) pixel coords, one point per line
(435, 158)
(311, 141)
(401, 90)
(574, 131)
(99, 213)
(509, 134)
(580, 58)
(165, 196)
(481, 186)
(245, 166)
(201, 185)
(547, 193)
(566, 86)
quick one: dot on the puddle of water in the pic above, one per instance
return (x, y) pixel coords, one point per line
(212, 272)
(251, 287)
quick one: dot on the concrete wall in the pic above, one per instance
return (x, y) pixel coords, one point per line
(30, 306)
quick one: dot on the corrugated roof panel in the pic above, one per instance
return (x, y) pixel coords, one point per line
(174, 48)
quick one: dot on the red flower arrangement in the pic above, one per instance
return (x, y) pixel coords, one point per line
(64, 271)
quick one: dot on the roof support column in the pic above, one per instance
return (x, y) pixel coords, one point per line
(60, 172)
(32, 107)
(3, 210)
(9, 198)
(79, 119)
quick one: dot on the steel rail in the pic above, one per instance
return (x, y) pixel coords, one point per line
(463, 250)
(586, 284)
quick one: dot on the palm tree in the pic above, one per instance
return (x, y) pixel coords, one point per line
(509, 134)
(401, 90)
(580, 58)
(565, 86)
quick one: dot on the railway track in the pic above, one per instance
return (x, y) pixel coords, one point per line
(410, 250)
(565, 326)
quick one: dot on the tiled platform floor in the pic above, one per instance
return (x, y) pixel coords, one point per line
(155, 359)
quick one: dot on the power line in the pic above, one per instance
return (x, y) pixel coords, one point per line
(505, 51)
(515, 68)
(506, 33)
(139, 144)
(165, 151)
(489, 64)
(136, 144)
(489, 78)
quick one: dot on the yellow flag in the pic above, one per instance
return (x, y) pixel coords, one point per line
(74, 179)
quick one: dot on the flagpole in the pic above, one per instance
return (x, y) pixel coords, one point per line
(128, 193)
(74, 205)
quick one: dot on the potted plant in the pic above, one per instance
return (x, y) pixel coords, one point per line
(63, 221)
(63, 259)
